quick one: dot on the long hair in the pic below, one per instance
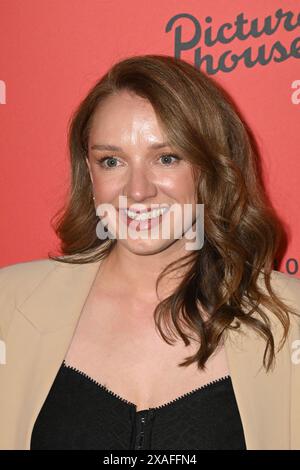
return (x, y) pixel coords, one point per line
(242, 232)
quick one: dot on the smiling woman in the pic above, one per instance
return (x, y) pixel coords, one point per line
(138, 342)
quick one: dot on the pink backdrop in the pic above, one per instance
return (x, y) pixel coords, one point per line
(53, 51)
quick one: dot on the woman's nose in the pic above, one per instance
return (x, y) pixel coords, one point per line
(139, 184)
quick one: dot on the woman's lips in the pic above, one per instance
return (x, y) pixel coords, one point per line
(139, 225)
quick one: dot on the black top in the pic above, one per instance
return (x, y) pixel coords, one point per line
(80, 413)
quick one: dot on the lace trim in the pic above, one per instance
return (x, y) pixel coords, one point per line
(103, 387)
(97, 383)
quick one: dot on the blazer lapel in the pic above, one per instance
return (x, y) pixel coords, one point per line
(263, 398)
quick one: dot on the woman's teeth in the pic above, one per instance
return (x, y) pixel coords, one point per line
(146, 215)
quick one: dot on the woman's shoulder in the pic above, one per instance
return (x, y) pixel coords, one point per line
(287, 288)
(283, 284)
(24, 273)
(17, 281)
(284, 279)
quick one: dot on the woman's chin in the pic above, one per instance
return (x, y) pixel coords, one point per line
(146, 246)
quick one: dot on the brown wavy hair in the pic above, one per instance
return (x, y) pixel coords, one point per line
(243, 234)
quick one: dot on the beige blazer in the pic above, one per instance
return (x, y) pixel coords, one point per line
(40, 305)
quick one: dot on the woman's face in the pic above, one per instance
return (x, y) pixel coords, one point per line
(144, 174)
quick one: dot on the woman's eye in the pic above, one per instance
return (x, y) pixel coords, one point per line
(102, 161)
(110, 162)
(166, 159)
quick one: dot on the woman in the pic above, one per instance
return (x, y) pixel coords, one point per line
(103, 352)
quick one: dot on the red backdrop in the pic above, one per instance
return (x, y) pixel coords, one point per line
(53, 51)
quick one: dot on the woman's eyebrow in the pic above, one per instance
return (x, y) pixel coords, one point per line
(114, 148)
